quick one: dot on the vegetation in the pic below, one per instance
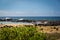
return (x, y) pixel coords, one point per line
(26, 33)
(21, 33)
(53, 36)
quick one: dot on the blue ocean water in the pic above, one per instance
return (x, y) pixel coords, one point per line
(27, 18)
(32, 18)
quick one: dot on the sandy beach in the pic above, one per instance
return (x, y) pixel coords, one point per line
(1, 25)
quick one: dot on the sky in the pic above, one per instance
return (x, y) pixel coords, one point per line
(29, 7)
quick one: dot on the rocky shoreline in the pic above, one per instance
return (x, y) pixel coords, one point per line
(35, 22)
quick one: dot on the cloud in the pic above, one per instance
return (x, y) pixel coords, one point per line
(15, 13)
(25, 13)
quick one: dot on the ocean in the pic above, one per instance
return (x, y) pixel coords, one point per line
(26, 18)
(32, 18)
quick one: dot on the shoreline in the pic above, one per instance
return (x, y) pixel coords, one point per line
(39, 22)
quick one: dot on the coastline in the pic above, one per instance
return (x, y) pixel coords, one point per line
(43, 25)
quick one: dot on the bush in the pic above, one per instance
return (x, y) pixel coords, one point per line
(21, 33)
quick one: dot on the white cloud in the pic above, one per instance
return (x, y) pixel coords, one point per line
(16, 13)
(27, 13)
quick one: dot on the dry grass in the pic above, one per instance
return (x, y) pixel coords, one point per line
(45, 29)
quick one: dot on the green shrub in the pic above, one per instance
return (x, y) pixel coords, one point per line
(21, 33)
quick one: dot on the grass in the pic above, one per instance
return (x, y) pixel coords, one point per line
(53, 36)
(27, 33)
(21, 33)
